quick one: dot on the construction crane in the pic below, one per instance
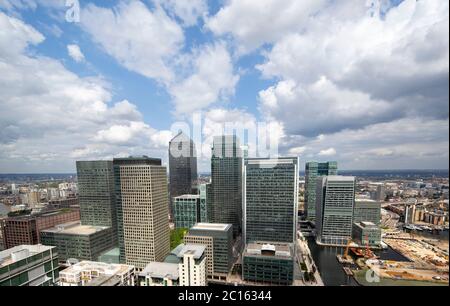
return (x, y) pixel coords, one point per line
(346, 248)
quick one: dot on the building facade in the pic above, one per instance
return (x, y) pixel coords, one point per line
(159, 274)
(226, 177)
(29, 265)
(313, 170)
(182, 166)
(76, 241)
(270, 196)
(367, 210)
(96, 193)
(142, 210)
(25, 229)
(334, 211)
(367, 233)
(220, 236)
(192, 267)
(268, 263)
(188, 210)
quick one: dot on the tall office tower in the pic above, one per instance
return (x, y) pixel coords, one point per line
(312, 171)
(142, 210)
(96, 193)
(270, 196)
(182, 166)
(226, 176)
(334, 210)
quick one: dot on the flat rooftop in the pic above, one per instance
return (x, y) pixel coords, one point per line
(268, 249)
(340, 178)
(211, 226)
(101, 267)
(188, 196)
(75, 228)
(161, 270)
(20, 252)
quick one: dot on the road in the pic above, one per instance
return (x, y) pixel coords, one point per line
(304, 255)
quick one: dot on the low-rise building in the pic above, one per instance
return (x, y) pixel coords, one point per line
(367, 233)
(82, 242)
(268, 263)
(29, 265)
(91, 273)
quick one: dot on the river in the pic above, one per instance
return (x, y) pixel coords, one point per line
(331, 270)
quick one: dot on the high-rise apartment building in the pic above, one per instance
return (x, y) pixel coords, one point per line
(182, 166)
(226, 176)
(334, 211)
(312, 171)
(270, 196)
(142, 210)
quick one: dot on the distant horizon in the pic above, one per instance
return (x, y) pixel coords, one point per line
(339, 170)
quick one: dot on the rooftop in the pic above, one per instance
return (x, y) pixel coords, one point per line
(75, 228)
(188, 196)
(211, 226)
(190, 249)
(161, 270)
(20, 252)
(103, 268)
(259, 248)
(340, 178)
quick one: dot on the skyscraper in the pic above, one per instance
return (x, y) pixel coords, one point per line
(226, 177)
(270, 199)
(142, 210)
(334, 210)
(312, 171)
(182, 166)
(96, 193)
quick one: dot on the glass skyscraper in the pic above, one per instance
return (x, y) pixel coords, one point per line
(182, 166)
(335, 203)
(270, 199)
(312, 171)
(226, 176)
(96, 193)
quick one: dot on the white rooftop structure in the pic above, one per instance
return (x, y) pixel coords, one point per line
(75, 228)
(211, 226)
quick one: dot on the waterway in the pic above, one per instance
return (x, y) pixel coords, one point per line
(331, 270)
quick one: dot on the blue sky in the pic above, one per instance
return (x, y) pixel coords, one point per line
(361, 82)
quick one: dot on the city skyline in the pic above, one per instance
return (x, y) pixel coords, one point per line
(104, 95)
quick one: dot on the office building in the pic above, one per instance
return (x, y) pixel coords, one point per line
(270, 198)
(182, 166)
(367, 210)
(218, 239)
(366, 233)
(29, 265)
(226, 177)
(142, 210)
(203, 193)
(188, 210)
(76, 241)
(160, 274)
(313, 170)
(96, 193)
(91, 273)
(24, 228)
(268, 263)
(111, 256)
(334, 211)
